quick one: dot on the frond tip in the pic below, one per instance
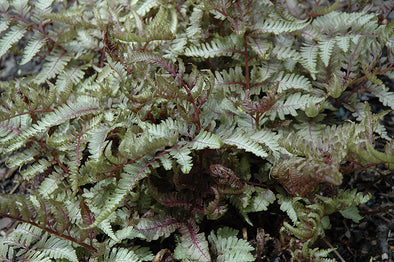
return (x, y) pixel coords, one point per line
(228, 247)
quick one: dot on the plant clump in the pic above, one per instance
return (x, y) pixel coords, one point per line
(150, 124)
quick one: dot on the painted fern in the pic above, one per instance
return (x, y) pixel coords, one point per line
(152, 124)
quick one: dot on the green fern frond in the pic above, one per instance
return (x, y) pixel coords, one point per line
(56, 63)
(21, 158)
(21, 7)
(183, 158)
(217, 47)
(157, 226)
(192, 245)
(49, 215)
(260, 200)
(292, 81)
(157, 29)
(33, 47)
(309, 54)
(343, 41)
(383, 94)
(160, 27)
(289, 205)
(145, 6)
(10, 129)
(27, 242)
(269, 139)
(193, 30)
(153, 139)
(279, 26)
(128, 180)
(326, 49)
(81, 106)
(233, 78)
(51, 183)
(241, 140)
(153, 58)
(4, 23)
(228, 247)
(11, 37)
(284, 53)
(319, 10)
(206, 140)
(43, 6)
(371, 76)
(37, 168)
(97, 141)
(291, 103)
(70, 16)
(121, 254)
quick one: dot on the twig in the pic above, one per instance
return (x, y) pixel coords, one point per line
(335, 251)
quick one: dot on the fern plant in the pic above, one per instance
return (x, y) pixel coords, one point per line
(156, 120)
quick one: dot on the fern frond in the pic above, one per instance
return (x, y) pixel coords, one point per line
(56, 63)
(309, 54)
(228, 247)
(29, 243)
(153, 58)
(289, 205)
(192, 245)
(343, 42)
(43, 6)
(194, 29)
(242, 140)
(47, 214)
(159, 27)
(70, 16)
(156, 29)
(146, 6)
(326, 49)
(154, 138)
(206, 140)
(289, 105)
(371, 76)
(56, 248)
(121, 254)
(157, 226)
(284, 53)
(319, 10)
(261, 47)
(97, 141)
(234, 79)
(217, 47)
(37, 168)
(21, 7)
(4, 23)
(51, 183)
(21, 158)
(81, 106)
(279, 26)
(10, 129)
(269, 139)
(224, 176)
(182, 156)
(383, 94)
(300, 175)
(292, 81)
(11, 37)
(260, 200)
(128, 180)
